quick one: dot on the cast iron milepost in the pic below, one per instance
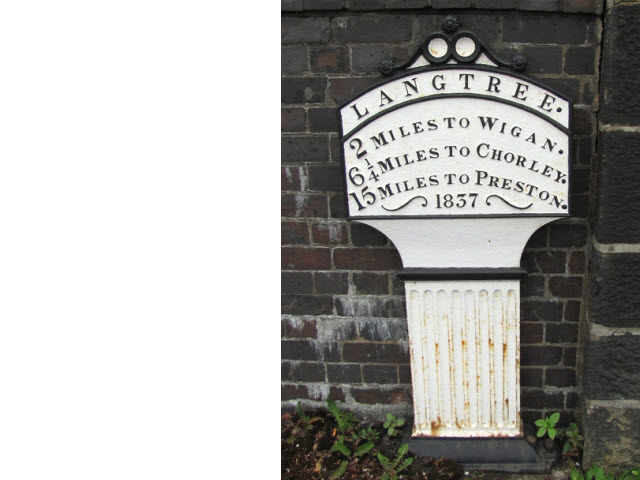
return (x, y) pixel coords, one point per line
(459, 158)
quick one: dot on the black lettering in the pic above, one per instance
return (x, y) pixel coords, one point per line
(546, 102)
(478, 150)
(440, 86)
(384, 191)
(380, 140)
(408, 85)
(360, 115)
(487, 121)
(384, 98)
(417, 127)
(521, 89)
(466, 79)
(494, 82)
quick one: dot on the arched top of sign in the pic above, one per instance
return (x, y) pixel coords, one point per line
(456, 132)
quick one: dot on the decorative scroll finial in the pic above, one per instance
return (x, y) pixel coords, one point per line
(452, 44)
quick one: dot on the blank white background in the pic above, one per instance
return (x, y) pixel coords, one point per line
(138, 240)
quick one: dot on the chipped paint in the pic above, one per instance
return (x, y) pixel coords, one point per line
(464, 346)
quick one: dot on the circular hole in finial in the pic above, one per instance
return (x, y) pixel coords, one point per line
(465, 46)
(438, 47)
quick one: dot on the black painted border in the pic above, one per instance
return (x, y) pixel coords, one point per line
(502, 273)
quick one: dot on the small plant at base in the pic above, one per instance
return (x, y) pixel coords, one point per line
(548, 426)
(393, 468)
(596, 473)
(339, 446)
(346, 420)
(573, 445)
(366, 434)
(392, 424)
(304, 423)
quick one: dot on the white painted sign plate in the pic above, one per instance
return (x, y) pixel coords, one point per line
(456, 141)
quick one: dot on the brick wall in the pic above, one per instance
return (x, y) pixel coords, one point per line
(344, 330)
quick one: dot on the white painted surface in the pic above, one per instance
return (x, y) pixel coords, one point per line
(459, 242)
(464, 347)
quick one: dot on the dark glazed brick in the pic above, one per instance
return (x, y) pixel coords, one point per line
(620, 66)
(308, 372)
(583, 121)
(344, 373)
(323, 119)
(298, 328)
(293, 60)
(496, 4)
(614, 289)
(338, 207)
(296, 282)
(560, 377)
(290, 179)
(543, 59)
(541, 29)
(292, 120)
(611, 368)
(367, 29)
(378, 307)
(565, 287)
(337, 394)
(374, 353)
(306, 304)
(326, 179)
(307, 206)
(572, 400)
(544, 262)
(539, 5)
(542, 399)
(541, 311)
(569, 356)
(303, 90)
(618, 194)
(366, 4)
(401, 4)
(293, 392)
(323, 4)
(304, 30)
(366, 58)
(380, 374)
(330, 351)
(387, 397)
(529, 416)
(329, 59)
(285, 371)
(572, 311)
(300, 258)
(580, 180)
(332, 283)
(584, 151)
(298, 350)
(371, 283)
(342, 89)
(531, 377)
(366, 259)
(585, 6)
(383, 330)
(577, 262)
(451, 3)
(531, 333)
(363, 235)
(329, 233)
(532, 286)
(304, 149)
(569, 87)
(568, 235)
(561, 333)
(291, 5)
(404, 374)
(580, 60)
(534, 355)
(296, 233)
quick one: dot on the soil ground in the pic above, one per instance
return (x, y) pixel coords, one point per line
(307, 454)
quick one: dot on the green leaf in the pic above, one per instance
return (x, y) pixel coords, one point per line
(391, 431)
(555, 417)
(541, 432)
(364, 449)
(383, 460)
(340, 470)
(403, 449)
(541, 422)
(566, 448)
(390, 417)
(342, 448)
(552, 433)
(386, 424)
(576, 475)
(400, 423)
(406, 463)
